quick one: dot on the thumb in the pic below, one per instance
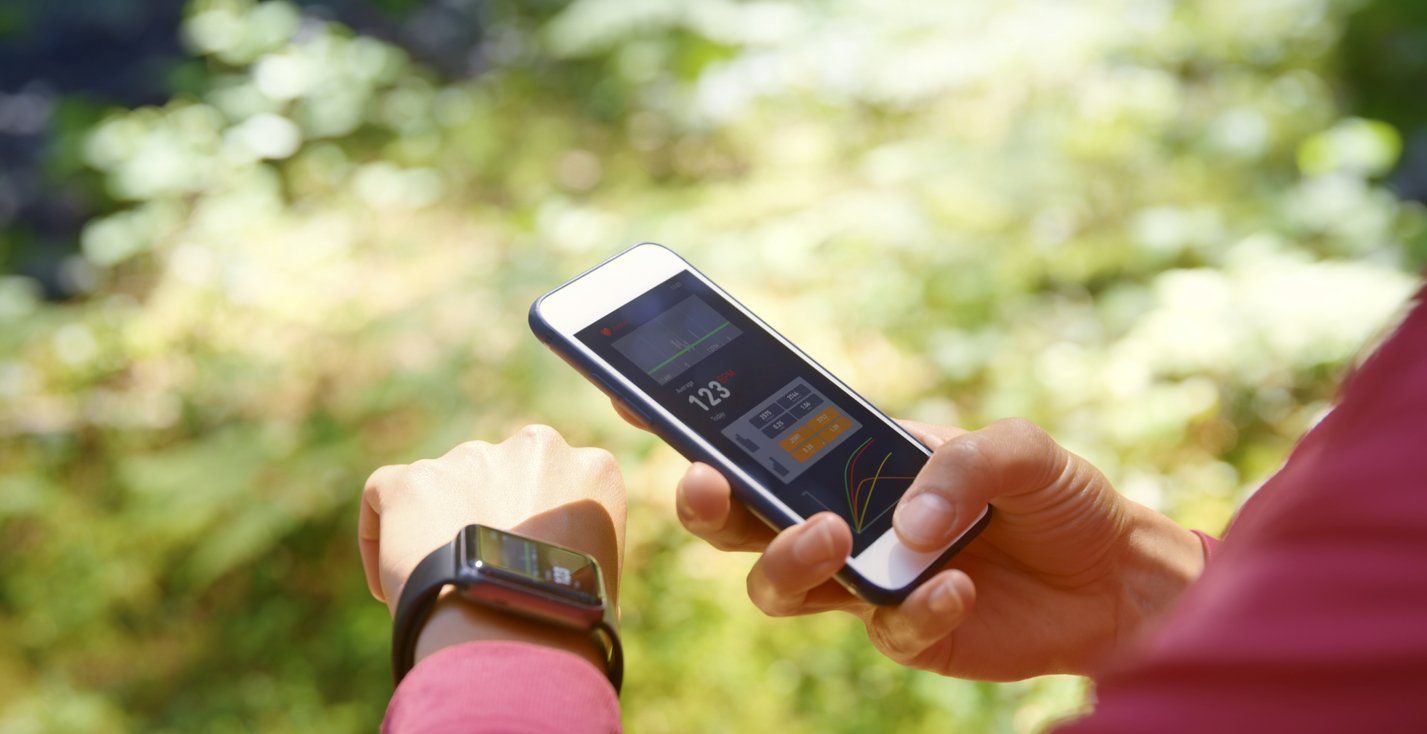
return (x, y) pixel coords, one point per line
(1001, 464)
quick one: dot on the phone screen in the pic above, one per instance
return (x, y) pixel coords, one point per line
(751, 397)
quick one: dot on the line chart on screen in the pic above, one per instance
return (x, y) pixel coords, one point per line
(860, 486)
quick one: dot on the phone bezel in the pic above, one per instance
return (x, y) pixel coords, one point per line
(884, 572)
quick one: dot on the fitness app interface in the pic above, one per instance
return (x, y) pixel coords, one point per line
(748, 395)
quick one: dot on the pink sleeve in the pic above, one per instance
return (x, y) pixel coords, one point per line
(1210, 544)
(1313, 615)
(497, 687)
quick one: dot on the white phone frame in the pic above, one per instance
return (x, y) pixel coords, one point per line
(595, 294)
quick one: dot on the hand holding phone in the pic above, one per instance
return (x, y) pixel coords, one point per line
(1071, 570)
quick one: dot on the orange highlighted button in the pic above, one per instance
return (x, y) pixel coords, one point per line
(796, 437)
(809, 439)
(809, 429)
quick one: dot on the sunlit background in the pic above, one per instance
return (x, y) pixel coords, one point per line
(250, 251)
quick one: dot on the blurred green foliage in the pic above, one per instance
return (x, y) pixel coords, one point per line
(1146, 225)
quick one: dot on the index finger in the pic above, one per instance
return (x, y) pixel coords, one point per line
(628, 415)
(707, 507)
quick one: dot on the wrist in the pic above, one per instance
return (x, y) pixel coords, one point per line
(1161, 560)
(455, 621)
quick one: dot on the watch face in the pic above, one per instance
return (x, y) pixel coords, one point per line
(550, 568)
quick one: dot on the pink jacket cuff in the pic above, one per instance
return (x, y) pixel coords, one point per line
(490, 687)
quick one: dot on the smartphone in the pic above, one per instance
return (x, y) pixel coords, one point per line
(722, 387)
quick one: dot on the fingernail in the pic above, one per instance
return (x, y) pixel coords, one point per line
(946, 597)
(699, 470)
(926, 519)
(686, 514)
(815, 546)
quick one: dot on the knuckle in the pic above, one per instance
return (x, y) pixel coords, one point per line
(1016, 423)
(1021, 429)
(384, 481)
(731, 533)
(741, 539)
(470, 448)
(969, 453)
(714, 537)
(540, 433)
(599, 458)
(895, 646)
(700, 529)
(418, 472)
(766, 598)
(383, 476)
(722, 543)
(1030, 455)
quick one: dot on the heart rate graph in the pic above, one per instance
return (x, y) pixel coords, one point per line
(860, 487)
(677, 339)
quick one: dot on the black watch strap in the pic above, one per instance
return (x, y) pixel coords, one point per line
(608, 634)
(438, 570)
(418, 597)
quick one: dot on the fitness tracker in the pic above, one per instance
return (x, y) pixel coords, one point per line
(512, 574)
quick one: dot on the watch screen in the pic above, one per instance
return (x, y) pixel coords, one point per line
(559, 570)
(759, 404)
